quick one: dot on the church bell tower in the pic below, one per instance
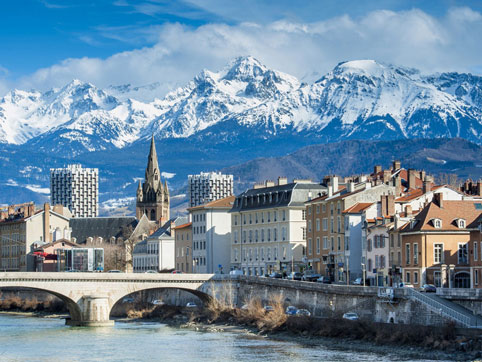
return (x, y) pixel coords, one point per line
(152, 196)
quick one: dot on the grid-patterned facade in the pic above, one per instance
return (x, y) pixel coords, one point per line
(76, 188)
(209, 186)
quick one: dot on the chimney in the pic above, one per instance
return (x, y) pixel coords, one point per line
(396, 165)
(439, 199)
(411, 178)
(427, 186)
(334, 184)
(386, 175)
(377, 169)
(269, 183)
(351, 186)
(397, 182)
(11, 210)
(408, 210)
(47, 222)
(388, 205)
(31, 209)
(422, 175)
(282, 181)
(258, 186)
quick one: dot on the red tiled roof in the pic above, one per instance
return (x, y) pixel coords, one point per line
(183, 226)
(451, 211)
(227, 202)
(358, 207)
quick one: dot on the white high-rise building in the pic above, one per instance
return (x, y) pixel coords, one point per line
(209, 186)
(76, 188)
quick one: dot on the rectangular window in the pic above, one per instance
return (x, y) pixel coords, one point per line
(339, 224)
(309, 246)
(325, 224)
(407, 277)
(438, 253)
(415, 277)
(318, 209)
(437, 279)
(347, 243)
(407, 253)
(317, 224)
(317, 245)
(463, 254)
(339, 242)
(303, 214)
(304, 233)
(309, 226)
(332, 225)
(309, 210)
(323, 208)
(476, 252)
(325, 242)
(476, 277)
(415, 254)
(332, 243)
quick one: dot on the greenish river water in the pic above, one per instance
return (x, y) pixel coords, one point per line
(48, 339)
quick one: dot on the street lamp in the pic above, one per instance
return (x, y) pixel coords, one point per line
(363, 266)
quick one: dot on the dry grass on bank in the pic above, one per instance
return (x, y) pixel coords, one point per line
(14, 302)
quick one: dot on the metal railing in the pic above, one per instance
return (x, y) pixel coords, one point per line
(444, 310)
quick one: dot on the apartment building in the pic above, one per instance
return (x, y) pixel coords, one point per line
(437, 244)
(211, 236)
(183, 246)
(26, 228)
(269, 226)
(76, 188)
(326, 222)
(208, 186)
(157, 252)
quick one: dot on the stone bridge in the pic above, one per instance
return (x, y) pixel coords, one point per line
(90, 297)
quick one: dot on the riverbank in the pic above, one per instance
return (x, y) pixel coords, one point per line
(412, 341)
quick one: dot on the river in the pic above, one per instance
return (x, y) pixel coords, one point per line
(25, 338)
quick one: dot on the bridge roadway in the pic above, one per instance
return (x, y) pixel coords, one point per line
(90, 297)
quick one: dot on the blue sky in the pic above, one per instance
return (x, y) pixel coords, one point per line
(47, 42)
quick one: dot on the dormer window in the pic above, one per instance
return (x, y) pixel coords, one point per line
(460, 223)
(437, 223)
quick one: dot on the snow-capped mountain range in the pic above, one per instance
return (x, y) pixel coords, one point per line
(221, 119)
(357, 99)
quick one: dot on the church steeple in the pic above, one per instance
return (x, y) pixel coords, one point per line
(152, 170)
(153, 197)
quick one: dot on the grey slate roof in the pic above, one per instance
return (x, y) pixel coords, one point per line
(105, 227)
(292, 194)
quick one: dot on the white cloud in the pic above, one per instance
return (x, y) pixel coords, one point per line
(307, 50)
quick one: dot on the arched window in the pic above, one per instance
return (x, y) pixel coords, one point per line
(153, 214)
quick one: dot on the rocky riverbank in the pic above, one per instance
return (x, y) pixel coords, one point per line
(415, 341)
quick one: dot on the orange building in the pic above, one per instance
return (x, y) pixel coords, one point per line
(435, 244)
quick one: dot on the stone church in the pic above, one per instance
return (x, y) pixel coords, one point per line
(152, 196)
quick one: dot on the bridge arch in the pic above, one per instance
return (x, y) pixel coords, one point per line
(72, 306)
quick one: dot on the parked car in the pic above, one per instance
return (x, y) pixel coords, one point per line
(291, 310)
(191, 305)
(114, 271)
(275, 275)
(429, 288)
(176, 272)
(324, 280)
(295, 276)
(303, 312)
(405, 285)
(351, 316)
(358, 281)
(150, 272)
(268, 308)
(128, 300)
(157, 302)
(310, 276)
(236, 272)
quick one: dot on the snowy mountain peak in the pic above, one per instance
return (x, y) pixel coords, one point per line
(357, 99)
(244, 69)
